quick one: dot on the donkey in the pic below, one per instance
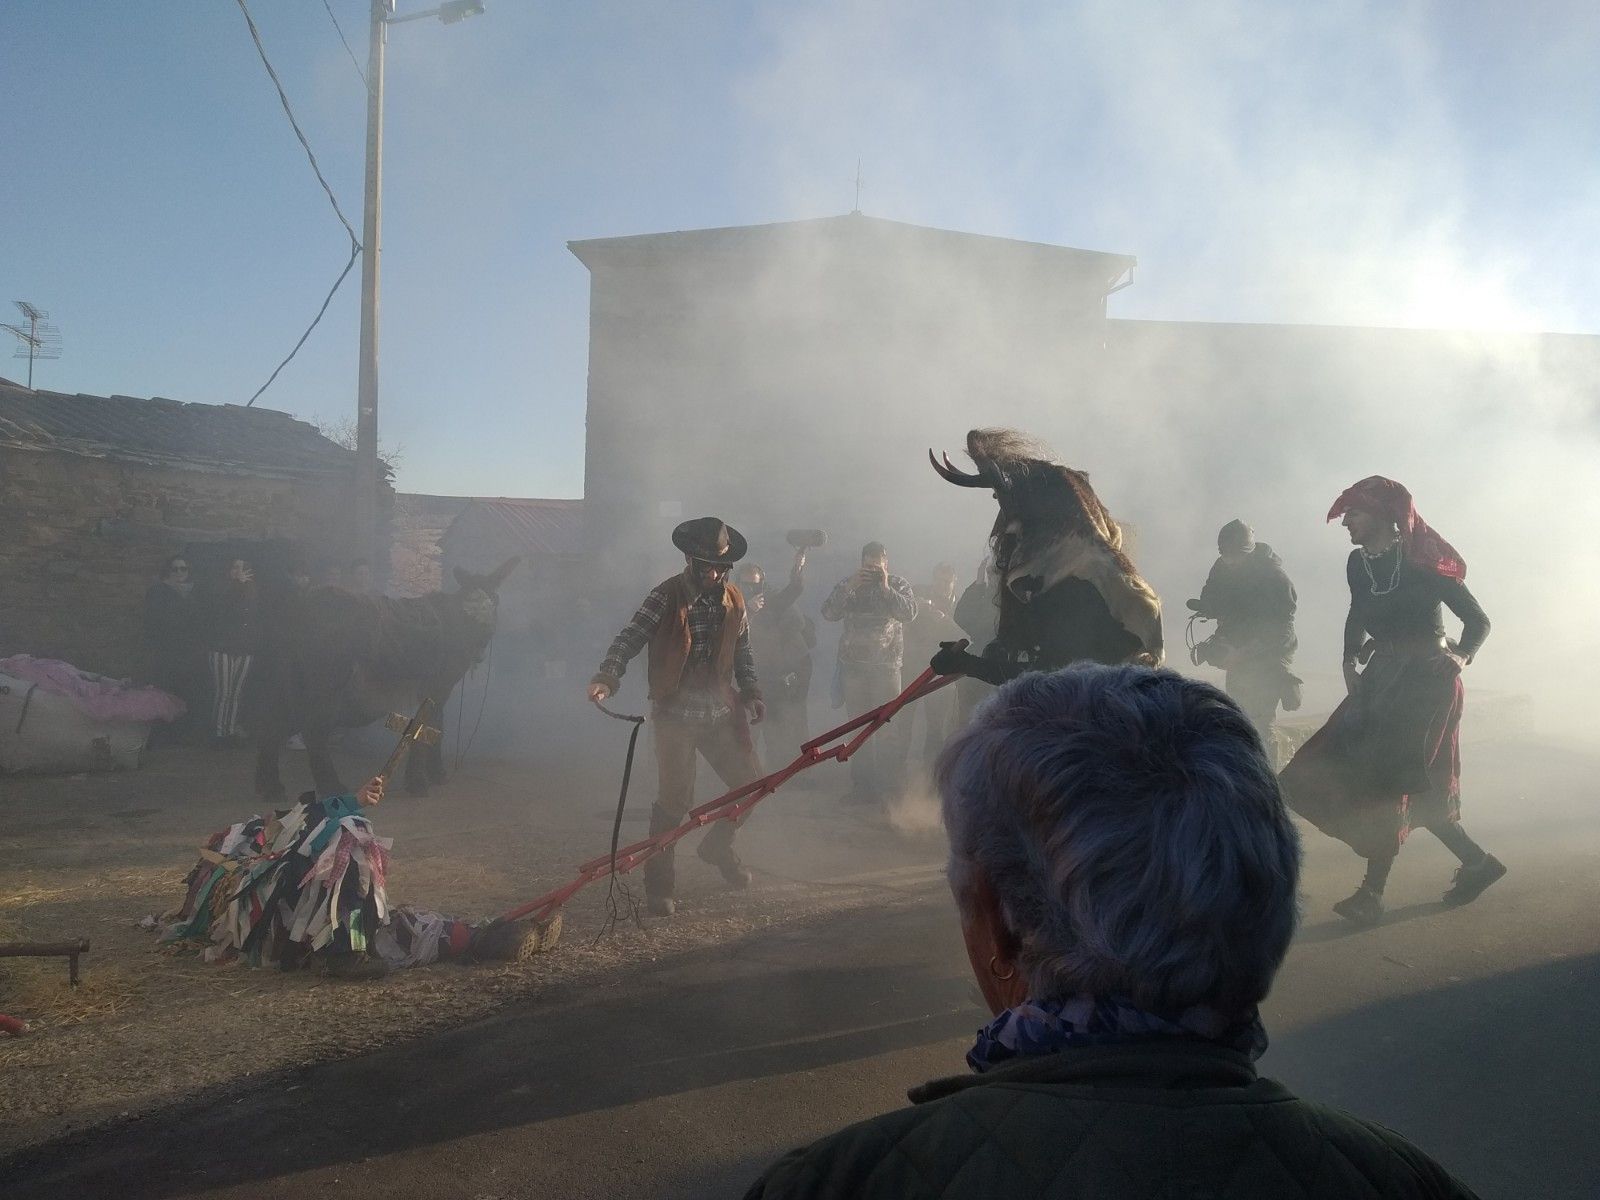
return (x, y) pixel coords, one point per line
(345, 660)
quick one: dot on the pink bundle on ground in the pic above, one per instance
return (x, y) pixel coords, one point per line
(101, 698)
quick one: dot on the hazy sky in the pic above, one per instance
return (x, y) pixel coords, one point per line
(1376, 163)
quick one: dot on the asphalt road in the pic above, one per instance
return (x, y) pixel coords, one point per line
(1471, 1031)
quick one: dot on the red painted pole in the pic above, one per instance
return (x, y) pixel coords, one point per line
(735, 803)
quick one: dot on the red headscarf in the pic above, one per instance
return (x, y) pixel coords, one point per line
(1422, 545)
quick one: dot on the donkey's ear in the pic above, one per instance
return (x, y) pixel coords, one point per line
(498, 575)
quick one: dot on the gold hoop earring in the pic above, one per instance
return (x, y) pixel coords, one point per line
(1011, 971)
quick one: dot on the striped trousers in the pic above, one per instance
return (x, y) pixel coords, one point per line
(228, 673)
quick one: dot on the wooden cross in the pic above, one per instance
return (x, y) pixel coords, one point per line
(411, 732)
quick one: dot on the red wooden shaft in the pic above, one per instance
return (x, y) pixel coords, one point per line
(735, 803)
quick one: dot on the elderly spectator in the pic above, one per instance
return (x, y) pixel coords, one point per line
(874, 606)
(1124, 870)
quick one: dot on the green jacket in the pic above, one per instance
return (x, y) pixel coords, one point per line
(1156, 1120)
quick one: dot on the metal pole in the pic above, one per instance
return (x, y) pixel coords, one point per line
(366, 500)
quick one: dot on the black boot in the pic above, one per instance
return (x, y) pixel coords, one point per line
(1470, 882)
(1363, 907)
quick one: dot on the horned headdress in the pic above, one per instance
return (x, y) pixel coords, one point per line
(1051, 526)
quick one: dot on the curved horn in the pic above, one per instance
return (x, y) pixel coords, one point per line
(950, 472)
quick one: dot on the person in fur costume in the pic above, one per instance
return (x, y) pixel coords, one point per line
(1067, 590)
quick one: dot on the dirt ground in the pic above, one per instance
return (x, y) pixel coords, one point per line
(90, 856)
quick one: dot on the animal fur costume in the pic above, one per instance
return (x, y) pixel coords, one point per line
(1067, 592)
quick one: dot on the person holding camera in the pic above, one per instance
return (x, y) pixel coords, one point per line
(1253, 602)
(875, 608)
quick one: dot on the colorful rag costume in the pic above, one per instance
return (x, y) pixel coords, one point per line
(271, 890)
(276, 890)
(1389, 758)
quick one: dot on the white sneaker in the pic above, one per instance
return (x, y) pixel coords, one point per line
(297, 742)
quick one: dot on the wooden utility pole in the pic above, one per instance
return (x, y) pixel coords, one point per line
(367, 542)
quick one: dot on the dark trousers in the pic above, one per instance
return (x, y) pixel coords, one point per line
(1455, 839)
(785, 729)
(726, 745)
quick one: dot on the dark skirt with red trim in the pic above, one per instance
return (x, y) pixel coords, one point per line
(1389, 757)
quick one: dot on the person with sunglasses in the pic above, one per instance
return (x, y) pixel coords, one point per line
(703, 693)
(171, 651)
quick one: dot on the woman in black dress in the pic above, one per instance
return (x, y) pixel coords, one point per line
(1389, 760)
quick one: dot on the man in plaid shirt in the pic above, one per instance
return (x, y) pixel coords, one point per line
(703, 692)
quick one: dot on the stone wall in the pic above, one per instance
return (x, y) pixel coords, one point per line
(417, 529)
(81, 539)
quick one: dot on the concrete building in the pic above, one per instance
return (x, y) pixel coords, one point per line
(781, 375)
(795, 374)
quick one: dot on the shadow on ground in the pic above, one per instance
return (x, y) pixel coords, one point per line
(1499, 1077)
(746, 1011)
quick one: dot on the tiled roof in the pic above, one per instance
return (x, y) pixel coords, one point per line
(535, 526)
(216, 437)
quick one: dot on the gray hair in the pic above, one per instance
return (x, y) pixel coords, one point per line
(1133, 832)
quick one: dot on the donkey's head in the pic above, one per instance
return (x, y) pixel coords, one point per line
(479, 595)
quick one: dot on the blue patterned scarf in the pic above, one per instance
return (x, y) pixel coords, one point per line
(1045, 1026)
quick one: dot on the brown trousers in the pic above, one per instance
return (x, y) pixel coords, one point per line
(877, 769)
(726, 745)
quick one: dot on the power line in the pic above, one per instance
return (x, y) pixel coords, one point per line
(255, 36)
(355, 253)
(355, 242)
(354, 61)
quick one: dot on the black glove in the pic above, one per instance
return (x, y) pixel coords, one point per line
(952, 659)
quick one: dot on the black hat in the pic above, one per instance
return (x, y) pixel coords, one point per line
(710, 540)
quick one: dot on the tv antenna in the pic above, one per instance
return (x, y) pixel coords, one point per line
(39, 338)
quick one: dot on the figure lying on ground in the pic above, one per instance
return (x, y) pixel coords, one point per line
(308, 884)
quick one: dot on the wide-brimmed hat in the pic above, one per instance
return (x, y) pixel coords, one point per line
(710, 539)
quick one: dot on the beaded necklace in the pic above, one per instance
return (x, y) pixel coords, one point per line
(1367, 559)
